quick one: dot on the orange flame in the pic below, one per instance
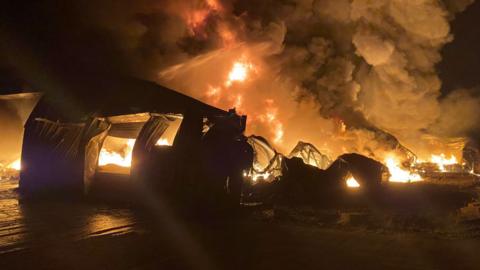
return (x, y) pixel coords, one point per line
(441, 161)
(270, 117)
(121, 159)
(163, 141)
(397, 174)
(352, 182)
(124, 158)
(238, 73)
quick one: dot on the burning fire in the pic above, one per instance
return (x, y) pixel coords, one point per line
(352, 183)
(397, 174)
(16, 165)
(239, 72)
(121, 159)
(124, 158)
(441, 161)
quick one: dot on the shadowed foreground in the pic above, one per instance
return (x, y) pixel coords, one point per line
(90, 235)
(255, 245)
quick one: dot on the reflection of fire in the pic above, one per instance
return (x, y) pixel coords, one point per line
(16, 165)
(441, 161)
(352, 183)
(397, 174)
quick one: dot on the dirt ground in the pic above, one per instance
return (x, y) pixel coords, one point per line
(252, 245)
(92, 235)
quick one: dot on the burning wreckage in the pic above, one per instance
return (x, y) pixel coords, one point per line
(176, 147)
(307, 175)
(159, 141)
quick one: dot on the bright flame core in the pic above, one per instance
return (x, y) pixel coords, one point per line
(121, 159)
(441, 161)
(352, 183)
(238, 73)
(163, 141)
(16, 165)
(397, 174)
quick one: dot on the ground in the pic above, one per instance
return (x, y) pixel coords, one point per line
(93, 235)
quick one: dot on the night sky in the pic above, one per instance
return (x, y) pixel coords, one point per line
(460, 66)
(40, 39)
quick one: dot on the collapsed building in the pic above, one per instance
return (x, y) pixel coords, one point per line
(175, 142)
(310, 155)
(135, 135)
(306, 175)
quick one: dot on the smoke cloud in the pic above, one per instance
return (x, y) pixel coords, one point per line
(342, 74)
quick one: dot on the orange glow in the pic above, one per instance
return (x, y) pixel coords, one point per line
(225, 92)
(214, 94)
(213, 91)
(270, 117)
(196, 19)
(238, 103)
(227, 35)
(441, 161)
(163, 141)
(16, 165)
(352, 183)
(238, 73)
(397, 174)
(214, 5)
(278, 133)
(122, 159)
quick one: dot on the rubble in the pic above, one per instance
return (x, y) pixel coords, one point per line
(310, 155)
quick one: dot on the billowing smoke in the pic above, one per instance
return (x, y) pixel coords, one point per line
(342, 74)
(368, 64)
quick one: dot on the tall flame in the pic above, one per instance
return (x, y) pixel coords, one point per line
(397, 174)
